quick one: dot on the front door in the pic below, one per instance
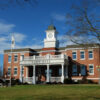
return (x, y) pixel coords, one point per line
(41, 74)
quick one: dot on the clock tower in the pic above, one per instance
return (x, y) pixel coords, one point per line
(51, 38)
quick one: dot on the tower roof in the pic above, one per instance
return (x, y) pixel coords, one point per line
(51, 27)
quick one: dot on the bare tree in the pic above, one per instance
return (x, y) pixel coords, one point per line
(83, 22)
(8, 3)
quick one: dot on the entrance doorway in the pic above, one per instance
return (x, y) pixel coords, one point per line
(41, 74)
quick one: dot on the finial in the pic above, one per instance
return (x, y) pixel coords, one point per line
(51, 22)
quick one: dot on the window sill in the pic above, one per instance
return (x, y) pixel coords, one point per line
(90, 58)
(82, 59)
(74, 59)
(91, 74)
(15, 61)
(15, 75)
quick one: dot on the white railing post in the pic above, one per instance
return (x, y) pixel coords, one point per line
(34, 76)
(34, 57)
(21, 73)
(27, 72)
(48, 76)
(62, 76)
(62, 55)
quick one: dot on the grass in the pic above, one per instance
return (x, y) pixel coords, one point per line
(51, 92)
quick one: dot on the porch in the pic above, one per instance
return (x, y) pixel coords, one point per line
(49, 68)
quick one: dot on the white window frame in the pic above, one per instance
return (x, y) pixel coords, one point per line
(10, 71)
(84, 70)
(80, 55)
(92, 54)
(8, 59)
(21, 58)
(76, 55)
(14, 71)
(73, 70)
(93, 69)
(14, 58)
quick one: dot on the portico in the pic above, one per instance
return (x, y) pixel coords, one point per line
(51, 74)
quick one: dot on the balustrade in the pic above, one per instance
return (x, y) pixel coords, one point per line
(48, 59)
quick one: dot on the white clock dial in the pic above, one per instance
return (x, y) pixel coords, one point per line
(50, 35)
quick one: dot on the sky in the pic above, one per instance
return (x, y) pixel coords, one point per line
(28, 23)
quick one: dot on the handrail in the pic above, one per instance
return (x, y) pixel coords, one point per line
(45, 57)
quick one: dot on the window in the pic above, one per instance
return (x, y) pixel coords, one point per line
(74, 70)
(16, 58)
(9, 59)
(90, 54)
(74, 55)
(22, 70)
(60, 71)
(82, 55)
(21, 57)
(15, 71)
(9, 71)
(91, 69)
(83, 70)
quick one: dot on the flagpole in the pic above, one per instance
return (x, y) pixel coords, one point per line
(12, 46)
(11, 67)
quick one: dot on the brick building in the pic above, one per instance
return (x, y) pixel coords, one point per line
(53, 63)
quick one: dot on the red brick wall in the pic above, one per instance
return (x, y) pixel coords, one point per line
(14, 64)
(48, 51)
(95, 61)
(86, 62)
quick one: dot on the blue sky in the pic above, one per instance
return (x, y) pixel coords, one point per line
(29, 23)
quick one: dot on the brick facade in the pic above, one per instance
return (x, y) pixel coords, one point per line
(95, 61)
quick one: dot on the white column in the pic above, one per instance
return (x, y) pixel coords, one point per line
(62, 76)
(26, 72)
(34, 76)
(48, 76)
(21, 73)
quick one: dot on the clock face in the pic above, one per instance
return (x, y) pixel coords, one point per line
(50, 35)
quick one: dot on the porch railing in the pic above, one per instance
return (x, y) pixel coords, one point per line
(52, 79)
(28, 80)
(48, 59)
(55, 79)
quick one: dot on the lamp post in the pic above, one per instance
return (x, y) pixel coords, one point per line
(98, 69)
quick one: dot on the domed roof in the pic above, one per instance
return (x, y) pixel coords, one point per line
(51, 27)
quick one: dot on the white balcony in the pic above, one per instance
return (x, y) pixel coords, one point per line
(44, 60)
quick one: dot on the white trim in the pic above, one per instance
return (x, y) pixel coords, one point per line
(80, 54)
(14, 59)
(93, 69)
(10, 70)
(8, 58)
(86, 78)
(51, 50)
(76, 55)
(92, 55)
(17, 71)
(80, 48)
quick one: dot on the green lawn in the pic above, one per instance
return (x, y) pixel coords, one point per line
(51, 92)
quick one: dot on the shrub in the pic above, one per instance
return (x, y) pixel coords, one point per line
(68, 81)
(85, 81)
